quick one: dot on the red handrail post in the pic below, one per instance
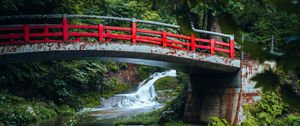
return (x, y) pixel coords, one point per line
(212, 46)
(100, 33)
(65, 29)
(46, 31)
(231, 42)
(133, 31)
(193, 43)
(78, 39)
(164, 39)
(26, 32)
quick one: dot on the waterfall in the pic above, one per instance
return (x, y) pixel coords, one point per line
(143, 97)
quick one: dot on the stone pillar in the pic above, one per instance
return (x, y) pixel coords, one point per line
(212, 93)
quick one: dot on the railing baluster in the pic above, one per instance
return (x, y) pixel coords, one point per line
(212, 46)
(133, 31)
(65, 29)
(100, 31)
(193, 43)
(164, 39)
(78, 38)
(26, 32)
(46, 31)
(231, 48)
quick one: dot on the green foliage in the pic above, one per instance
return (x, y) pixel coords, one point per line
(43, 110)
(62, 82)
(169, 88)
(270, 110)
(16, 110)
(183, 78)
(66, 110)
(166, 83)
(145, 71)
(113, 86)
(290, 120)
(91, 99)
(216, 121)
(113, 66)
(286, 82)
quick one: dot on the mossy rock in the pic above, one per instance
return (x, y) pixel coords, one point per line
(91, 99)
(66, 110)
(166, 83)
(113, 86)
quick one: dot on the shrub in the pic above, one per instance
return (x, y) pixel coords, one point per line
(216, 121)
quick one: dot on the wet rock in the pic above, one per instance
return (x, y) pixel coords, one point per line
(30, 110)
(165, 117)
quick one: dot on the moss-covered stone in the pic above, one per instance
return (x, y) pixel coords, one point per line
(66, 110)
(91, 99)
(168, 88)
(166, 83)
(146, 71)
(113, 86)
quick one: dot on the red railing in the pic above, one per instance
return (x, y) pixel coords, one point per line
(65, 32)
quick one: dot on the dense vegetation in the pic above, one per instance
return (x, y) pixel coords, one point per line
(271, 110)
(44, 89)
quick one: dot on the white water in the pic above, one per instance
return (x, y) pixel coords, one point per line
(146, 94)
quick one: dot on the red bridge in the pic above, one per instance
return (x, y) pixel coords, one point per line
(68, 31)
(217, 78)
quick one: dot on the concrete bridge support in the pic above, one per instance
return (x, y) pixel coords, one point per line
(212, 93)
(223, 94)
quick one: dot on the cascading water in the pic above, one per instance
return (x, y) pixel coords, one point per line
(120, 105)
(144, 96)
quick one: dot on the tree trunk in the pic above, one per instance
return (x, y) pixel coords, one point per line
(212, 23)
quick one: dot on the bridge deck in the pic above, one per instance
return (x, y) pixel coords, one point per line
(140, 54)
